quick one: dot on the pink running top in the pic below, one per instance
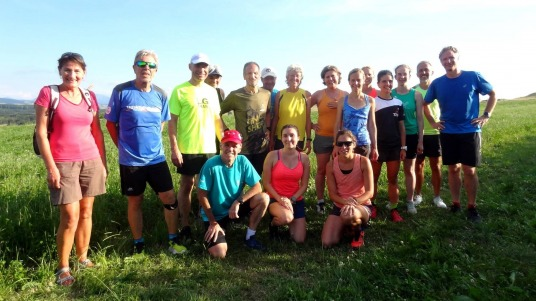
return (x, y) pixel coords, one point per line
(352, 184)
(286, 181)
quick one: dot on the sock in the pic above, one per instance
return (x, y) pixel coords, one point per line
(136, 241)
(320, 201)
(471, 206)
(171, 236)
(250, 233)
(393, 206)
(456, 203)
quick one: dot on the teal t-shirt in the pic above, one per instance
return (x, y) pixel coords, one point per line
(225, 184)
(410, 109)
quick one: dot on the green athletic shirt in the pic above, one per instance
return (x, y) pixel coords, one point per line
(410, 109)
(434, 110)
(197, 108)
(250, 113)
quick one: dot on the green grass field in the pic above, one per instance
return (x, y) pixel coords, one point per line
(433, 255)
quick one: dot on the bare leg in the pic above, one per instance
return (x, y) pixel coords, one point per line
(332, 231)
(470, 181)
(455, 182)
(298, 229)
(83, 231)
(320, 178)
(69, 215)
(259, 203)
(409, 173)
(392, 177)
(184, 195)
(376, 170)
(419, 174)
(435, 166)
(135, 216)
(171, 216)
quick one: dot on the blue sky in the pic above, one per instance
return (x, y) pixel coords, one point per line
(494, 37)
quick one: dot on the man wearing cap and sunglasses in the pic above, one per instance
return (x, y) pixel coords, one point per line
(221, 195)
(213, 79)
(195, 121)
(136, 115)
(268, 79)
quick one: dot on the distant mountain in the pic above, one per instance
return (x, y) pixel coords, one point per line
(101, 99)
(12, 101)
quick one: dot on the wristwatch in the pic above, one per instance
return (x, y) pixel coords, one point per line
(240, 201)
(404, 148)
(487, 114)
(293, 200)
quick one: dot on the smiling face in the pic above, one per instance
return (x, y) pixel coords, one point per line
(369, 75)
(402, 75)
(251, 75)
(268, 83)
(385, 83)
(294, 79)
(356, 81)
(345, 144)
(331, 79)
(424, 71)
(145, 75)
(72, 74)
(449, 60)
(199, 71)
(290, 137)
(213, 80)
(229, 151)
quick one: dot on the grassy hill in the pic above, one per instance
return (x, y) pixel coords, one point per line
(433, 255)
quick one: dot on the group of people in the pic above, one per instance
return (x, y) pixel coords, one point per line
(268, 151)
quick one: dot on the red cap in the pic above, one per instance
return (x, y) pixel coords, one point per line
(231, 135)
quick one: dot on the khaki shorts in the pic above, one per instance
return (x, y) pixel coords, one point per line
(78, 179)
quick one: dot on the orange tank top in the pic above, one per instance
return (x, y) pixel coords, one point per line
(349, 185)
(326, 116)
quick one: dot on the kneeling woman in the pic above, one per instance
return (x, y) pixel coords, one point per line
(285, 178)
(350, 187)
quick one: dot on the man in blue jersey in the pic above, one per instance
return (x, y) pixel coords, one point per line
(268, 79)
(221, 195)
(135, 116)
(460, 125)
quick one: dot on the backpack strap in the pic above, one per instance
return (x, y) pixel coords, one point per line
(53, 105)
(87, 97)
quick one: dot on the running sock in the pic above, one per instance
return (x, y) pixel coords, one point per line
(456, 203)
(172, 236)
(250, 233)
(139, 240)
(471, 206)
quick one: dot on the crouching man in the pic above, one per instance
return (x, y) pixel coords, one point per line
(220, 191)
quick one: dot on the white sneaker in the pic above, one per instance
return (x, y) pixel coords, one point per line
(417, 200)
(411, 207)
(439, 202)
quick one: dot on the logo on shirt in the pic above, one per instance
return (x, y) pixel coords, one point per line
(203, 103)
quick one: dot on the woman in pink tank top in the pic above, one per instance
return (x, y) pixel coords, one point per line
(285, 178)
(350, 187)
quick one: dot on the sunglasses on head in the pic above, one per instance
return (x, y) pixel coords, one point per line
(345, 143)
(142, 64)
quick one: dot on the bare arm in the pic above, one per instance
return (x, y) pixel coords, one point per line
(308, 123)
(492, 101)
(366, 169)
(304, 181)
(338, 119)
(96, 131)
(41, 115)
(402, 130)
(420, 122)
(176, 156)
(371, 127)
(113, 131)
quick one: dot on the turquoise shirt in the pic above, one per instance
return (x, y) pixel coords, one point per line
(225, 184)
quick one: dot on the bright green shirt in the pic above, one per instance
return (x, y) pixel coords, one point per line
(197, 109)
(434, 110)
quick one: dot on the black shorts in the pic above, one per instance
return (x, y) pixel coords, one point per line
(323, 144)
(192, 163)
(257, 160)
(389, 155)
(243, 211)
(279, 144)
(135, 178)
(363, 150)
(298, 208)
(431, 147)
(461, 148)
(411, 142)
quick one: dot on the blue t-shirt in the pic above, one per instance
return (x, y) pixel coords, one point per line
(225, 184)
(140, 116)
(458, 100)
(356, 120)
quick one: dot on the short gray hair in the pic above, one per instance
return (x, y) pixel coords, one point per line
(145, 52)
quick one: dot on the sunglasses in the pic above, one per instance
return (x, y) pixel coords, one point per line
(142, 64)
(345, 143)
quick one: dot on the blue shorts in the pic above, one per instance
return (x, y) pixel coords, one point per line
(299, 208)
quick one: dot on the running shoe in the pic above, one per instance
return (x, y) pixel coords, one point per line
(455, 208)
(320, 207)
(254, 244)
(373, 212)
(395, 216)
(175, 248)
(139, 247)
(411, 207)
(358, 242)
(439, 202)
(417, 200)
(473, 215)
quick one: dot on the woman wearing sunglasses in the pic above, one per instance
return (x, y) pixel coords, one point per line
(75, 160)
(285, 178)
(350, 187)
